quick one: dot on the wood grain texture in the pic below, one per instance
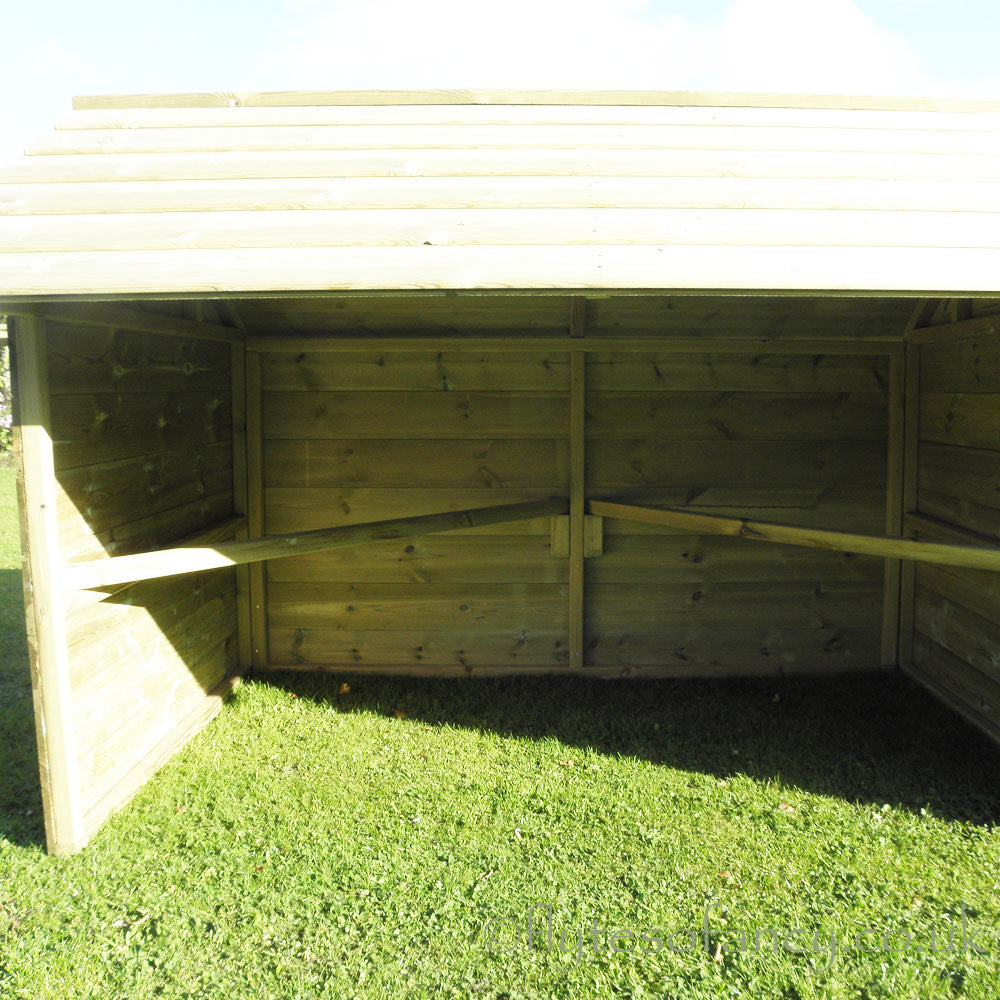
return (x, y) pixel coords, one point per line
(483, 96)
(55, 722)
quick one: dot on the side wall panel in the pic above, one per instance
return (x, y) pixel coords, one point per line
(142, 441)
(956, 644)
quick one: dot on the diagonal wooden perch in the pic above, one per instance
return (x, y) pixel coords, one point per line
(945, 554)
(173, 562)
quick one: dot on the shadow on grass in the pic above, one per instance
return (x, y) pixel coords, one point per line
(20, 789)
(868, 739)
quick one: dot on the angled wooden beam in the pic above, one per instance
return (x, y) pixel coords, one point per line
(176, 561)
(972, 556)
(120, 317)
(981, 326)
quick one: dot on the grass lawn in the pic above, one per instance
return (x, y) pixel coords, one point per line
(390, 840)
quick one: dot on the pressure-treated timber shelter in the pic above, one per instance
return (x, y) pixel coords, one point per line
(467, 382)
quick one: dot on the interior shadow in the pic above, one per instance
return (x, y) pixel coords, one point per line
(876, 738)
(21, 820)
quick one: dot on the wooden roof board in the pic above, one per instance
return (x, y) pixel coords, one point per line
(506, 190)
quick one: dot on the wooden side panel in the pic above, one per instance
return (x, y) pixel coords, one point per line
(956, 634)
(143, 455)
(378, 435)
(790, 439)
(43, 596)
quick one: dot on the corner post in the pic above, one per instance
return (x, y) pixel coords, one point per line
(577, 486)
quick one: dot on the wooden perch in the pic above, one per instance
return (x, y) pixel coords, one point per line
(945, 554)
(173, 562)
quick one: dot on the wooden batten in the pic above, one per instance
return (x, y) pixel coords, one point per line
(119, 317)
(244, 599)
(895, 487)
(577, 471)
(255, 506)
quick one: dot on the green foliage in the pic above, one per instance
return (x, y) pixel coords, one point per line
(317, 842)
(6, 402)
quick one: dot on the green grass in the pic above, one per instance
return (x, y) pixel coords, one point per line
(312, 843)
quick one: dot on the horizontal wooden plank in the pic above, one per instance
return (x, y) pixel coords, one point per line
(947, 554)
(503, 192)
(297, 509)
(90, 359)
(981, 326)
(467, 464)
(972, 590)
(689, 651)
(659, 671)
(552, 135)
(77, 541)
(490, 227)
(682, 654)
(106, 427)
(763, 373)
(638, 98)
(142, 320)
(665, 163)
(963, 633)
(479, 415)
(968, 420)
(175, 561)
(698, 466)
(700, 321)
(850, 507)
(923, 526)
(845, 270)
(617, 607)
(958, 684)
(966, 473)
(526, 114)
(767, 317)
(545, 347)
(127, 784)
(114, 493)
(118, 635)
(431, 559)
(655, 559)
(429, 606)
(976, 517)
(377, 370)
(971, 364)
(460, 647)
(729, 416)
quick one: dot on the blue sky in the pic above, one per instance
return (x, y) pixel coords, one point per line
(54, 50)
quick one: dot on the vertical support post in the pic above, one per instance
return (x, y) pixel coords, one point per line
(243, 600)
(255, 507)
(894, 506)
(911, 482)
(43, 597)
(577, 470)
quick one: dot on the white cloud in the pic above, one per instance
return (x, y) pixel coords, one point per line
(788, 45)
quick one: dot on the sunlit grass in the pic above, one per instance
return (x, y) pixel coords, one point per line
(317, 841)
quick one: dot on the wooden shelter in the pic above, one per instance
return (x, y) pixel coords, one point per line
(621, 384)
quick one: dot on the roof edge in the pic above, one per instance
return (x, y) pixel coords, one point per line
(677, 98)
